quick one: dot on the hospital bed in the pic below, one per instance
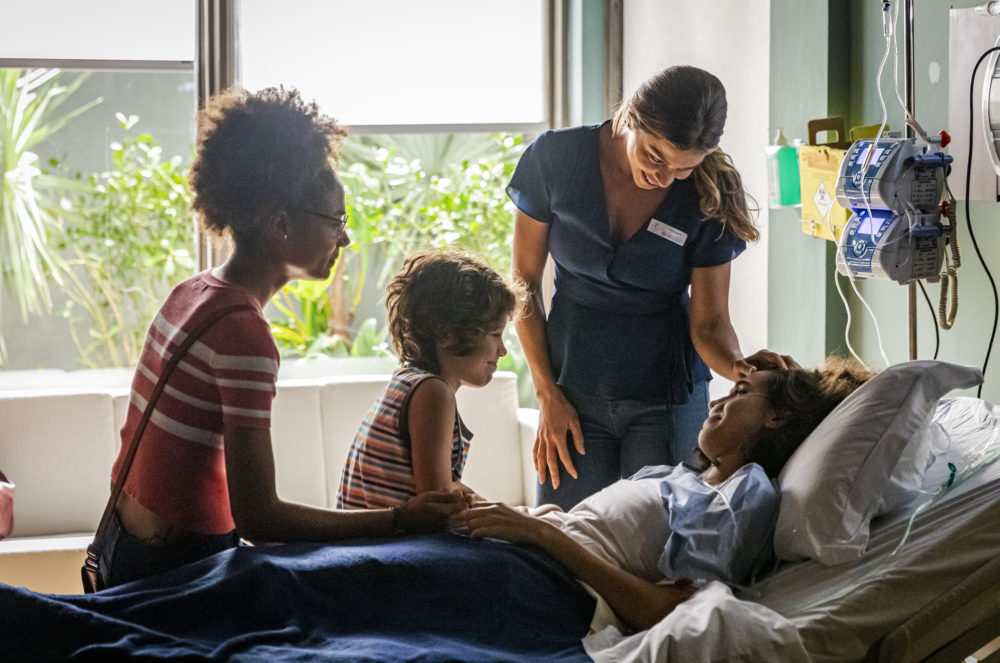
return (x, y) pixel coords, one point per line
(934, 596)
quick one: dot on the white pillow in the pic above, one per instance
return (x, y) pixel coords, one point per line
(858, 463)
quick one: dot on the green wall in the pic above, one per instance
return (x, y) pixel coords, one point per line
(803, 311)
(836, 75)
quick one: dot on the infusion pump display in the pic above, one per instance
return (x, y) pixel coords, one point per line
(901, 176)
(895, 231)
(886, 246)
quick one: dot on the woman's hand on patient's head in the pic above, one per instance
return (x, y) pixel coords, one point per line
(763, 360)
(430, 511)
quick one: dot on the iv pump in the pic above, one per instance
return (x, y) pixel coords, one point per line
(893, 186)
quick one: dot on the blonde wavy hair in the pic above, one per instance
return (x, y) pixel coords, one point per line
(687, 106)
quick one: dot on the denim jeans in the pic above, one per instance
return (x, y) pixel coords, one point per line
(125, 558)
(623, 436)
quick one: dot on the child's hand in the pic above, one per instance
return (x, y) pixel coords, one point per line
(468, 495)
(429, 512)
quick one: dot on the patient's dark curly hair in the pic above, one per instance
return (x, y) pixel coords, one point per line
(805, 396)
(447, 296)
(259, 153)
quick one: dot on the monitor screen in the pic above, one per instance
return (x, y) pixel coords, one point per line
(861, 157)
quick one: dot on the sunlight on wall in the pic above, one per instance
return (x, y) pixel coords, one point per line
(731, 40)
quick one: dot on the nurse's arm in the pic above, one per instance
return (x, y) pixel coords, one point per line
(531, 250)
(556, 416)
(711, 329)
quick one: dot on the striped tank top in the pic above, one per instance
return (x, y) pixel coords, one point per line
(379, 469)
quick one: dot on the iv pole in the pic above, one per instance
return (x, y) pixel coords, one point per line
(911, 300)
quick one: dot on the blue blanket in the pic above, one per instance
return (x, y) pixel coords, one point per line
(426, 598)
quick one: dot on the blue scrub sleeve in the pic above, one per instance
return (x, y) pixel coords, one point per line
(720, 535)
(528, 187)
(715, 245)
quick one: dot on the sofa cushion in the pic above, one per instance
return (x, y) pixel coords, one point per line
(494, 466)
(58, 450)
(343, 403)
(297, 441)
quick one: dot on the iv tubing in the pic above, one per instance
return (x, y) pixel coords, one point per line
(889, 38)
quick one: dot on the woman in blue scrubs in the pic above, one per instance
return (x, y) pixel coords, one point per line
(634, 212)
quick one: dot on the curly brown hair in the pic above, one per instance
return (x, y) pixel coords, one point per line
(448, 296)
(259, 153)
(805, 396)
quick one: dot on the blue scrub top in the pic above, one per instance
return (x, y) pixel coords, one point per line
(618, 326)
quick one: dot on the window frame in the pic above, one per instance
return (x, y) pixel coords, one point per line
(215, 67)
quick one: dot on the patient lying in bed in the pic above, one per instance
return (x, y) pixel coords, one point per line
(397, 600)
(665, 522)
(635, 541)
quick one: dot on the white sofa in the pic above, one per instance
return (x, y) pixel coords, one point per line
(59, 436)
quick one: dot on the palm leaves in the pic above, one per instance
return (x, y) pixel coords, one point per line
(29, 101)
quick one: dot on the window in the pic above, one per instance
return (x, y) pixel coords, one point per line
(393, 65)
(99, 227)
(58, 32)
(440, 97)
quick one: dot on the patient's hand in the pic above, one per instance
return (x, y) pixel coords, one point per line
(497, 520)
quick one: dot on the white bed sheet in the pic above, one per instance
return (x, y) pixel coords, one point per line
(842, 612)
(711, 626)
(808, 612)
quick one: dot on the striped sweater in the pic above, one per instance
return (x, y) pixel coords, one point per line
(227, 377)
(379, 468)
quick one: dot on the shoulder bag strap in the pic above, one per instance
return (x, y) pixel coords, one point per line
(94, 549)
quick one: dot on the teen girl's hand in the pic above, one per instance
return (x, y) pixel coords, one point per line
(557, 421)
(428, 512)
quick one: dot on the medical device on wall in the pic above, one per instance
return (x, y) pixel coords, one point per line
(972, 32)
(991, 108)
(894, 188)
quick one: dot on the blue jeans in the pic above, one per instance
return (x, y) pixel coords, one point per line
(125, 558)
(623, 436)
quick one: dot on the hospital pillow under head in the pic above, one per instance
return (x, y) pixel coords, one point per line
(865, 458)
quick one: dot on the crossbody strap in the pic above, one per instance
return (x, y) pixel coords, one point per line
(93, 550)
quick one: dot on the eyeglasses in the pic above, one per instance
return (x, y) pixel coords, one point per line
(340, 221)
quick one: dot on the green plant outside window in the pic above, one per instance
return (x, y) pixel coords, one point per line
(116, 242)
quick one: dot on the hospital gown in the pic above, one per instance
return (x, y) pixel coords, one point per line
(664, 523)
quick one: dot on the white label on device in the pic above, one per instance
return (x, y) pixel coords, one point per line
(824, 203)
(657, 227)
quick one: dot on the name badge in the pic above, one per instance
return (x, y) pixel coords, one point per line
(658, 227)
